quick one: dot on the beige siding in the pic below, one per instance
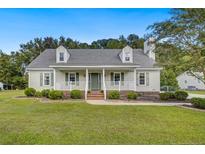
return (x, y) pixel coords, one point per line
(60, 84)
(34, 80)
(154, 82)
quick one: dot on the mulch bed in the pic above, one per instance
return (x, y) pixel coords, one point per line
(192, 107)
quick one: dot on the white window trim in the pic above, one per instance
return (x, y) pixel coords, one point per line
(73, 83)
(63, 57)
(49, 79)
(114, 78)
(142, 85)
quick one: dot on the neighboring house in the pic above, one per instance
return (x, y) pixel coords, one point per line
(124, 69)
(1, 86)
(187, 81)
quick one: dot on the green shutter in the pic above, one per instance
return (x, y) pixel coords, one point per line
(147, 78)
(66, 79)
(41, 79)
(137, 80)
(77, 79)
(122, 78)
(52, 79)
(112, 78)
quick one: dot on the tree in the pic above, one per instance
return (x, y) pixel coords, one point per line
(168, 78)
(186, 31)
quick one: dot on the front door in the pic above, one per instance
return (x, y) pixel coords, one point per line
(95, 81)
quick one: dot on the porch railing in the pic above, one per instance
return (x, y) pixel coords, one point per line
(119, 85)
(70, 85)
(108, 85)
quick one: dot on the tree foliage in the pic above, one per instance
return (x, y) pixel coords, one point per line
(185, 31)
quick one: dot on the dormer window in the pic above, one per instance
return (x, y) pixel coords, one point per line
(61, 57)
(127, 59)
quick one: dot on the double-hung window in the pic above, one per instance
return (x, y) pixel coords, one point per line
(142, 78)
(117, 78)
(73, 78)
(61, 57)
(46, 79)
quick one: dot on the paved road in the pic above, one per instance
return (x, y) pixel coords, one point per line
(196, 95)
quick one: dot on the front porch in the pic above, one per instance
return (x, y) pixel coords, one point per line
(95, 80)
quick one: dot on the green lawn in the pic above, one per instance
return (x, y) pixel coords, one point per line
(27, 121)
(201, 92)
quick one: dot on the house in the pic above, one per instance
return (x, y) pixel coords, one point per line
(1, 86)
(188, 81)
(92, 70)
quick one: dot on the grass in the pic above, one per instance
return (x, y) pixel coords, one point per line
(27, 121)
(201, 92)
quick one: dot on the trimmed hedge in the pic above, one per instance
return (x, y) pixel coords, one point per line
(114, 94)
(55, 94)
(167, 96)
(164, 96)
(38, 94)
(181, 95)
(76, 94)
(198, 102)
(29, 92)
(132, 95)
(45, 92)
(178, 95)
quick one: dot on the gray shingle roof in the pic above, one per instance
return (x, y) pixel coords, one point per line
(90, 57)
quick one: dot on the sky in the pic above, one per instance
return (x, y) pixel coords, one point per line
(85, 25)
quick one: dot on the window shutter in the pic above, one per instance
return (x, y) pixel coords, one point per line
(112, 78)
(137, 80)
(147, 78)
(66, 79)
(52, 80)
(122, 78)
(77, 79)
(41, 79)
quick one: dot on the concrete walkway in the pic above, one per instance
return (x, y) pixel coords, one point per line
(120, 102)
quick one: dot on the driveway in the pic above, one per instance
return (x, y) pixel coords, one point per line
(196, 95)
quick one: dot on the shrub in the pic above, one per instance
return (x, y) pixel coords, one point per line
(30, 92)
(164, 96)
(55, 94)
(45, 92)
(132, 95)
(181, 95)
(198, 102)
(38, 94)
(76, 94)
(114, 94)
(167, 96)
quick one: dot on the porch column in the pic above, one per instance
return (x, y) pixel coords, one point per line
(135, 78)
(86, 83)
(54, 79)
(104, 86)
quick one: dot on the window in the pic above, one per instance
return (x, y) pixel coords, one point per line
(46, 79)
(127, 57)
(141, 78)
(185, 81)
(73, 78)
(61, 56)
(117, 78)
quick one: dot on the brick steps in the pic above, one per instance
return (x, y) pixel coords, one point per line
(95, 95)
